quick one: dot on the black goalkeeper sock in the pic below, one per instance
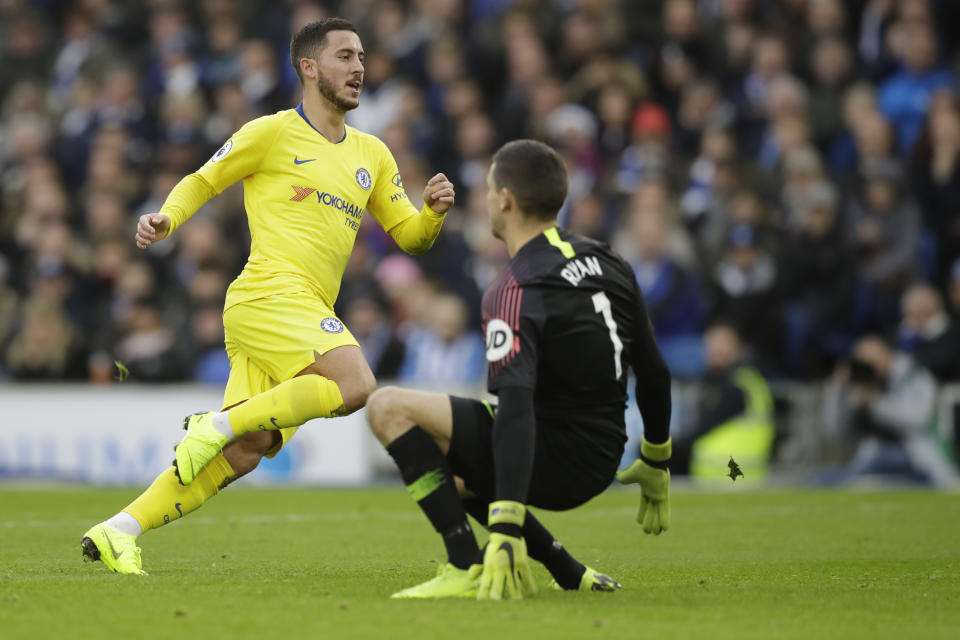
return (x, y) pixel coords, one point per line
(544, 548)
(541, 546)
(478, 509)
(430, 483)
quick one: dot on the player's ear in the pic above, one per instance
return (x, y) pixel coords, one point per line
(507, 201)
(308, 68)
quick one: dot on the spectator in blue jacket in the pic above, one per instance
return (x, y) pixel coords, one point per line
(904, 98)
(444, 351)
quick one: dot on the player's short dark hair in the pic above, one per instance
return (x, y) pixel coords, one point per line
(311, 37)
(535, 175)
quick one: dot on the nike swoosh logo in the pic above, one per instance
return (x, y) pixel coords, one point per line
(273, 421)
(296, 161)
(505, 546)
(112, 549)
(177, 507)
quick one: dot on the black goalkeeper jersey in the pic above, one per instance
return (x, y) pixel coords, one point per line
(566, 319)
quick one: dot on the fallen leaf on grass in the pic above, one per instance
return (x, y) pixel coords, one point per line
(734, 469)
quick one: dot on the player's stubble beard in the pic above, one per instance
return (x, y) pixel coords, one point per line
(493, 211)
(496, 226)
(327, 90)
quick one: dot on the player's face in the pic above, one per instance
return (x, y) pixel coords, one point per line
(340, 70)
(493, 206)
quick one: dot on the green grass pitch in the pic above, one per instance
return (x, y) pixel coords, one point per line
(286, 563)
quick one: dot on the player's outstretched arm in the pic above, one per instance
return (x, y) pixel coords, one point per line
(151, 228)
(191, 193)
(240, 156)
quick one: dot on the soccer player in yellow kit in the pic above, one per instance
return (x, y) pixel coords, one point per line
(307, 179)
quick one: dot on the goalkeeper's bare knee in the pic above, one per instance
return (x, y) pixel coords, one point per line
(386, 415)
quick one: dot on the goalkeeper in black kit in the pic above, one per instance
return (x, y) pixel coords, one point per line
(563, 322)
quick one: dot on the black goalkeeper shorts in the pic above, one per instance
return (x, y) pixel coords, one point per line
(572, 461)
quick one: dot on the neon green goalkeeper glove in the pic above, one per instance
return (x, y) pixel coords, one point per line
(651, 473)
(506, 571)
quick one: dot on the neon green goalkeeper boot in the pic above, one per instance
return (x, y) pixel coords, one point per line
(592, 580)
(450, 582)
(201, 445)
(117, 550)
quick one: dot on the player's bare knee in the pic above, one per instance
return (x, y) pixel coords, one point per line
(385, 414)
(378, 408)
(358, 392)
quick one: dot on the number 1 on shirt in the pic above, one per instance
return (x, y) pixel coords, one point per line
(601, 304)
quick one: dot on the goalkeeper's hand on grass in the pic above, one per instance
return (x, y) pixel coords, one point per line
(506, 571)
(651, 473)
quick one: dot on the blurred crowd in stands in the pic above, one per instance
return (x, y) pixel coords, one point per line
(791, 167)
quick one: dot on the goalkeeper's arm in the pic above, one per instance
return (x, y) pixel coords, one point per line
(514, 430)
(653, 378)
(506, 572)
(650, 471)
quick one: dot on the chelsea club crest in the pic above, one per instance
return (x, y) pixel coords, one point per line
(332, 325)
(363, 179)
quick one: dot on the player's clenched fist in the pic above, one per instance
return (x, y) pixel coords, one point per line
(152, 227)
(439, 194)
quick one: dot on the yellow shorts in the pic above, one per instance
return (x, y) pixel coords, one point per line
(272, 339)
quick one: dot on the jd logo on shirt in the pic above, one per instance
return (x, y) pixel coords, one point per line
(499, 339)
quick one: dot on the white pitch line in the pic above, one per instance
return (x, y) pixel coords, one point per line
(253, 519)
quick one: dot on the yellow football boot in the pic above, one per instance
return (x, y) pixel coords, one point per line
(592, 580)
(201, 445)
(117, 550)
(450, 582)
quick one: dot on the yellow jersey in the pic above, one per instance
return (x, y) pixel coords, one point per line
(305, 197)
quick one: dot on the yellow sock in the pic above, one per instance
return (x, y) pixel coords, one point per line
(289, 404)
(166, 499)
